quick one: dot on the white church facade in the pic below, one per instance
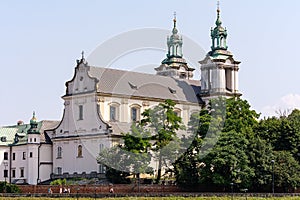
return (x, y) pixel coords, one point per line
(101, 103)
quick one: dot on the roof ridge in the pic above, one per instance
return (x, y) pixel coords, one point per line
(148, 74)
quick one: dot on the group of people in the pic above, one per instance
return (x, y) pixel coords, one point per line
(65, 190)
(61, 190)
(68, 190)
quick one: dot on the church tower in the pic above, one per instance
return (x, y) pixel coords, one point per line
(175, 65)
(33, 132)
(33, 151)
(219, 70)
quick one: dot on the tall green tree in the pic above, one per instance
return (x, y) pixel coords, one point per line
(287, 171)
(283, 132)
(130, 157)
(155, 135)
(203, 128)
(294, 119)
(187, 165)
(260, 153)
(163, 123)
(227, 160)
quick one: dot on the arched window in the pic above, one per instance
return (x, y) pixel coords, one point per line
(216, 42)
(221, 42)
(114, 112)
(195, 112)
(177, 111)
(79, 151)
(135, 113)
(59, 152)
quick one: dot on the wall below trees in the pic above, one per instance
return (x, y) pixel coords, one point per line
(120, 189)
(33, 189)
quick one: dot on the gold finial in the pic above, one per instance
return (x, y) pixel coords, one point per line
(218, 6)
(33, 117)
(174, 19)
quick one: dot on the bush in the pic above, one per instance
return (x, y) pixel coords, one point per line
(59, 182)
(10, 188)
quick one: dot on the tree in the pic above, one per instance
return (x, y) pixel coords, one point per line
(287, 171)
(283, 133)
(137, 145)
(228, 162)
(186, 166)
(269, 129)
(226, 159)
(294, 119)
(260, 153)
(163, 123)
(157, 132)
(203, 129)
(131, 157)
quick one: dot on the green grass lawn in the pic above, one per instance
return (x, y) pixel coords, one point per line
(155, 198)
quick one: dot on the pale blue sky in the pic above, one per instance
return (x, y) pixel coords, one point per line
(40, 41)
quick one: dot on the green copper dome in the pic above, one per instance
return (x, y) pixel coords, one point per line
(175, 65)
(219, 35)
(33, 125)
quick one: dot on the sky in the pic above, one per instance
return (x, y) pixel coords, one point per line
(41, 40)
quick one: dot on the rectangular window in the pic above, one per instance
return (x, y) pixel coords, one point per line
(102, 169)
(14, 156)
(59, 152)
(24, 156)
(30, 154)
(21, 172)
(5, 155)
(113, 113)
(79, 151)
(101, 147)
(80, 112)
(13, 173)
(5, 173)
(134, 113)
(59, 170)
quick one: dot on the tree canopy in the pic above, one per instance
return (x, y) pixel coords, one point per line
(225, 146)
(244, 149)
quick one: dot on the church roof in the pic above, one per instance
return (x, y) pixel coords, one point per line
(8, 133)
(142, 85)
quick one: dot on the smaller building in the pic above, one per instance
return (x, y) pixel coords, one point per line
(26, 152)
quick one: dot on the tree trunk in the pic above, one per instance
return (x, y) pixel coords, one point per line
(159, 168)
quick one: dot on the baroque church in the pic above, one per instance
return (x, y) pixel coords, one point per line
(101, 103)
